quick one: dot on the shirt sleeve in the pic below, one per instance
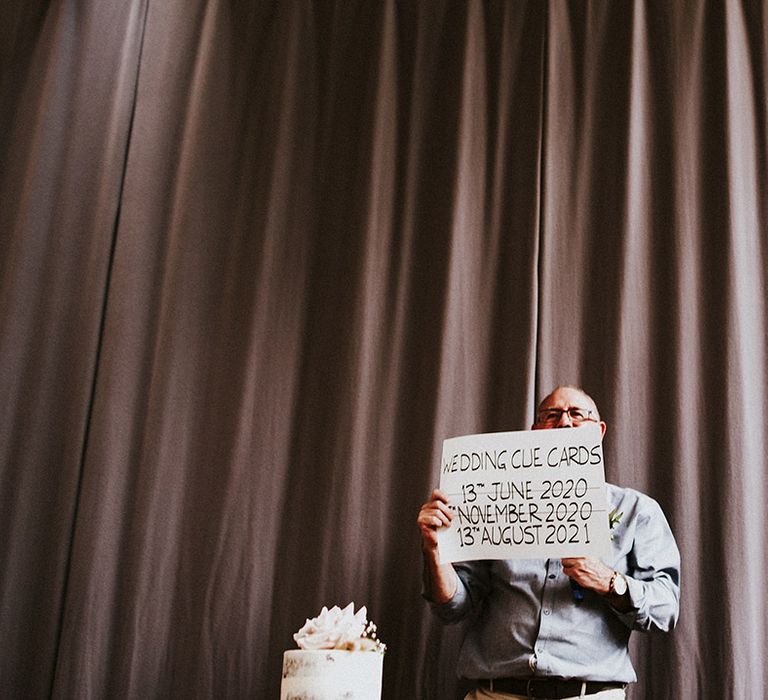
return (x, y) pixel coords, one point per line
(473, 582)
(653, 572)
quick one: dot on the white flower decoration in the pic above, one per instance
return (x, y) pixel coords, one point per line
(333, 629)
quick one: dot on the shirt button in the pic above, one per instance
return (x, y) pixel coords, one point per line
(551, 576)
(546, 612)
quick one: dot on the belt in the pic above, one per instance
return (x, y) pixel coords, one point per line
(546, 688)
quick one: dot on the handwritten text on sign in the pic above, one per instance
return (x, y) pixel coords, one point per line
(530, 494)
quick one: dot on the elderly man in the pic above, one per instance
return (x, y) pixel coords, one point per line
(558, 628)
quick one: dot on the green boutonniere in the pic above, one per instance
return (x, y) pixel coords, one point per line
(614, 517)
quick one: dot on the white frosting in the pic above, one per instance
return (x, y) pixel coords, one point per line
(331, 675)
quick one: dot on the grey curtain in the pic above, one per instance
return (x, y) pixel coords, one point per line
(259, 259)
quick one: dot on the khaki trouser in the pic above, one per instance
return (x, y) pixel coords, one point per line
(483, 694)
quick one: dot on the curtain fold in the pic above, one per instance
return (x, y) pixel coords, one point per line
(260, 259)
(69, 74)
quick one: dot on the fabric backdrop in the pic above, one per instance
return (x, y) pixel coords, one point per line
(259, 259)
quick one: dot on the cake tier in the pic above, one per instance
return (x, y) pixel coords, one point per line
(331, 675)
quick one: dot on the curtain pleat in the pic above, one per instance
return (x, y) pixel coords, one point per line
(259, 259)
(69, 75)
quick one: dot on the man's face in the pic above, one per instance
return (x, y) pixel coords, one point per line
(567, 408)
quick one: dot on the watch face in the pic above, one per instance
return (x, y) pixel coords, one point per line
(620, 584)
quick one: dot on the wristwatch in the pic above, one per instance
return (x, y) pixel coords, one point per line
(618, 584)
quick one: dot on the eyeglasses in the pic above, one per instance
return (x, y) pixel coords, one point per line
(552, 416)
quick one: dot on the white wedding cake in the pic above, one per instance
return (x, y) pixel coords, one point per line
(339, 658)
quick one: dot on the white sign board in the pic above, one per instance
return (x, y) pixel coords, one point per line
(529, 494)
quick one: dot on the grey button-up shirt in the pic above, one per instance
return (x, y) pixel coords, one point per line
(527, 621)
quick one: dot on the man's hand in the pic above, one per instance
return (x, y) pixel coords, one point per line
(433, 515)
(589, 573)
(439, 579)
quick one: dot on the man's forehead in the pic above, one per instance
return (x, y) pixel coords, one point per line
(566, 395)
